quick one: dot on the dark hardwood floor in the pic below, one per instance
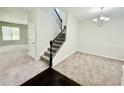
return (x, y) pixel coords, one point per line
(50, 77)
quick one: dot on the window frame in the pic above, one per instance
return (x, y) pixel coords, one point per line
(11, 33)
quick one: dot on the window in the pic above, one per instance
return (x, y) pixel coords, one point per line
(10, 33)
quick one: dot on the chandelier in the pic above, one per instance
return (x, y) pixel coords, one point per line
(101, 19)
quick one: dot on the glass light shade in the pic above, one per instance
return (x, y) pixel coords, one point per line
(95, 20)
(107, 19)
(102, 17)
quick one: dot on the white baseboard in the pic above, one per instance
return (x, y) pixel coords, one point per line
(122, 79)
(104, 50)
(37, 58)
(102, 55)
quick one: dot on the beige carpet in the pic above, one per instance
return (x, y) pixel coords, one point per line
(91, 70)
(16, 66)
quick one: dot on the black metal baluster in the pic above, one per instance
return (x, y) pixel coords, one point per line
(61, 25)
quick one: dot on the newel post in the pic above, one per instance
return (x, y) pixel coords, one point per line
(50, 59)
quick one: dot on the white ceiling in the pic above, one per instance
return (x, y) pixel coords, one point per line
(88, 13)
(14, 15)
(17, 14)
(81, 13)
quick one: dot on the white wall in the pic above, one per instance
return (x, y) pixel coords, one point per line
(71, 44)
(47, 29)
(106, 41)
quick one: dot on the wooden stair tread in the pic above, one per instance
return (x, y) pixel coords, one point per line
(45, 58)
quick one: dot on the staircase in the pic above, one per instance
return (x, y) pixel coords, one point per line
(55, 45)
(58, 42)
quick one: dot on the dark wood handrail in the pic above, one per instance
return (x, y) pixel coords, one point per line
(59, 34)
(58, 15)
(59, 18)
